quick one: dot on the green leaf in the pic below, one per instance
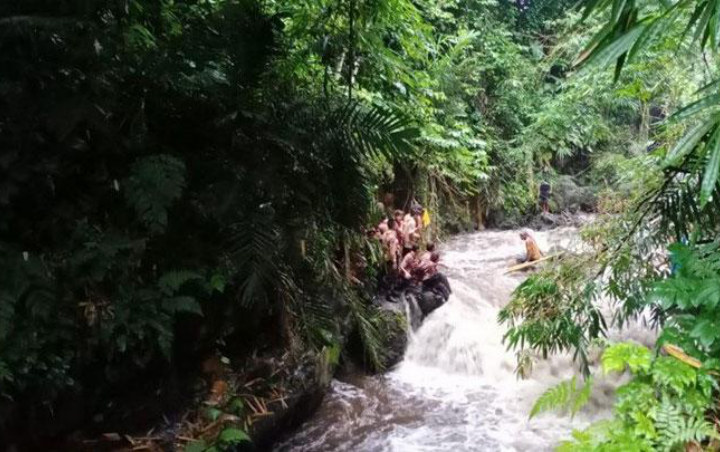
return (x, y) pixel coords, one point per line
(706, 332)
(711, 170)
(582, 397)
(708, 295)
(171, 282)
(702, 105)
(655, 26)
(606, 54)
(195, 446)
(563, 396)
(155, 182)
(688, 142)
(231, 435)
(618, 356)
(217, 282)
(644, 425)
(213, 413)
(556, 397)
(332, 353)
(672, 373)
(182, 304)
(237, 406)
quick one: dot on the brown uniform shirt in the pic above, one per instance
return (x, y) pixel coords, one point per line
(533, 251)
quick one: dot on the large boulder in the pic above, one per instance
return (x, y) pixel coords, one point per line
(435, 293)
(400, 309)
(567, 195)
(394, 333)
(305, 387)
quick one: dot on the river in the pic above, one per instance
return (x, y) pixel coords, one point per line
(456, 389)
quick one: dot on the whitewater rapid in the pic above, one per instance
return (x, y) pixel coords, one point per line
(456, 389)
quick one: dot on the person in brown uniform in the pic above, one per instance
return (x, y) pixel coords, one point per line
(427, 268)
(430, 248)
(409, 263)
(532, 250)
(391, 244)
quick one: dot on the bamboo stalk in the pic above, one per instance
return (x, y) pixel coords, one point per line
(677, 352)
(531, 264)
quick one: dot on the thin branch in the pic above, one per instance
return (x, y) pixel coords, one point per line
(351, 45)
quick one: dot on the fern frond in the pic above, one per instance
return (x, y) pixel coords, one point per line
(676, 429)
(619, 356)
(582, 397)
(563, 396)
(170, 282)
(155, 182)
(368, 325)
(254, 249)
(182, 304)
(317, 321)
(674, 374)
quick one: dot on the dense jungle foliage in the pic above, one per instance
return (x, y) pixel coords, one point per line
(656, 263)
(183, 178)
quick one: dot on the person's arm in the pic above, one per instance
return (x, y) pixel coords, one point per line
(404, 266)
(393, 248)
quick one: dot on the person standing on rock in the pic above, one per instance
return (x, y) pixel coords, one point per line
(398, 217)
(427, 268)
(391, 245)
(430, 248)
(416, 210)
(409, 263)
(409, 233)
(545, 197)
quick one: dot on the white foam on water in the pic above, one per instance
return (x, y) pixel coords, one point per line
(456, 389)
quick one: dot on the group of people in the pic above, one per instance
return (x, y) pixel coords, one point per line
(400, 237)
(401, 233)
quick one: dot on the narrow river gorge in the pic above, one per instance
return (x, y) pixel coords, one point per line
(456, 388)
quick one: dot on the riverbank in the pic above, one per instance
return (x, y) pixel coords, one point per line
(455, 388)
(270, 393)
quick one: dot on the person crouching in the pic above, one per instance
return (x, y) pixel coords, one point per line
(532, 250)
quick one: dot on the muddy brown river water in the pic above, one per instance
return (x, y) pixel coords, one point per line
(456, 389)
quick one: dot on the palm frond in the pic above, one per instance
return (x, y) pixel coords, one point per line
(254, 250)
(369, 327)
(373, 131)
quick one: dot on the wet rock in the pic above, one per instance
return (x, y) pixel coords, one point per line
(550, 219)
(568, 195)
(394, 327)
(400, 307)
(395, 337)
(435, 293)
(500, 219)
(305, 389)
(430, 301)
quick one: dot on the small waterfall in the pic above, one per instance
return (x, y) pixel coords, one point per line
(412, 313)
(456, 388)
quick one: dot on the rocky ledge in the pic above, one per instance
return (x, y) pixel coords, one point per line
(402, 306)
